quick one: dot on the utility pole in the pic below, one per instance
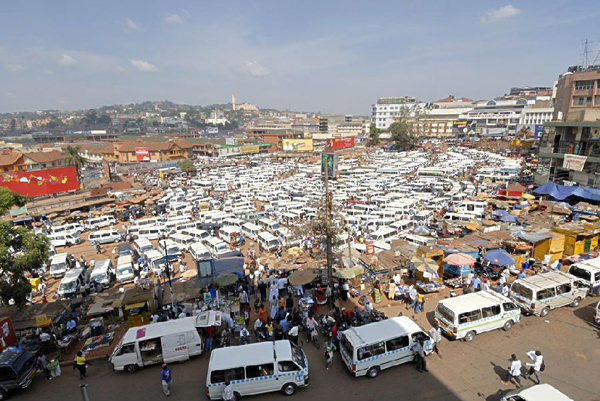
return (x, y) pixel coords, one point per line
(328, 225)
(84, 395)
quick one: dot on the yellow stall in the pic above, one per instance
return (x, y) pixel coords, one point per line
(553, 246)
(432, 252)
(578, 238)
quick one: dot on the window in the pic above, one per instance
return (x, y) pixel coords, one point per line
(521, 290)
(469, 316)
(563, 289)
(545, 294)
(288, 366)
(127, 349)
(371, 350)
(597, 277)
(509, 306)
(6, 373)
(396, 343)
(491, 311)
(259, 370)
(219, 376)
(584, 85)
(582, 100)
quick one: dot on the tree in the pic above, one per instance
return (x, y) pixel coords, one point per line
(401, 135)
(13, 125)
(186, 166)
(373, 135)
(75, 159)
(22, 251)
(104, 119)
(90, 118)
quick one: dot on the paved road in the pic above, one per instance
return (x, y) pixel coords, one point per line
(466, 371)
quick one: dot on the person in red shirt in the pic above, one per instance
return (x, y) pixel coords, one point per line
(262, 314)
(334, 331)
(210, 333)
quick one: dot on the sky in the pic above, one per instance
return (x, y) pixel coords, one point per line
(326, 56)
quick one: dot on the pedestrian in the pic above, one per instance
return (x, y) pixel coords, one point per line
(43, 364)
(514, 372)
(210, 333)
(274, 305)
(329, 348)
(537, 366)
(412, 295)
(419, 304)
(293, 334)
(436, 336)
(98, 249)
(243, 299)
(166, 379)
(228, 394)
(262, 289)
(79, 364)
(476, 283)
(420, 356)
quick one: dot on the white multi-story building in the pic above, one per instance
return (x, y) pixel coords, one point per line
(536, 115)
(387, 109)
(438, 119)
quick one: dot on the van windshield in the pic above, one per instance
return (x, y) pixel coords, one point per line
(70, 286)
(581, 273)
(298, 355)
(522, 291)
(99, 276)
(57, 266)
(124, 270)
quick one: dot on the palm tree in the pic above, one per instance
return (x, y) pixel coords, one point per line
(75, 159)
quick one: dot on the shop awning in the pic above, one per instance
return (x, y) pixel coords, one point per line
(136, 305)
(561, 192)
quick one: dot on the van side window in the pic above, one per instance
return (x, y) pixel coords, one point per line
(509, 306)
(469, 316)
(491, 311)
(371, 350)
(288, 366)
(396, 343)
(127, 349)
(546, 293)
(219, 376)
(265, 369)
(6, 373)
(563, 289)
(597, 277)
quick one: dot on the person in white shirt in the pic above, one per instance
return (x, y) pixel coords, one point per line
(397, 279)
(536, 366)
(514, 372)
(228, 394)
(436, 336)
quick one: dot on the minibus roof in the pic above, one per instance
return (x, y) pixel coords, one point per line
(590, 264)
(545, 280)
(71, 275)
(250, 354)
(59, 258)
(160, 329)
(542, 392)
(474, 300)
(373, 332)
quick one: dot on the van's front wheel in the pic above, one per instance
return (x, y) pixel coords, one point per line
(508, 325)
(575, 302)
(289, 389)
(131, 368)
(3, 395)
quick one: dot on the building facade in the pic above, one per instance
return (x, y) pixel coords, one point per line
(387, 109)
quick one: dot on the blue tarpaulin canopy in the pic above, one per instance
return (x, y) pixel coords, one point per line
(500, 213)
(509, 218)
(499, 257)
(561, 192)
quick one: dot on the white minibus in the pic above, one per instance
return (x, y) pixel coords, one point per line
(268, 225)
(267, 241)
(251, 231)
(59, 264)
(156, 262)
(103, 273)
(173, 341)
(142, 246)
(182, 240)
(216, 246)
(72, 283)
(230, 234)
(257, 369)
(169, 248)
(99, 222)
(465, 316)
(105, 237)
(199, 251)
(64, 239)
(125, 270)
(537, 392)
(199, 235)
(589, 272)
(368, 349)
(150, 232)
(385, 234)
(68, 229)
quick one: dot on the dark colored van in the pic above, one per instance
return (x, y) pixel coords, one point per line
(17, 369)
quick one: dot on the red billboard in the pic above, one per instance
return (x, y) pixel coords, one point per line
(142, 154)
(7, 334)
(340, 143)
(41, 182)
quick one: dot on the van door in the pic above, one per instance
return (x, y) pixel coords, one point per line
(194, 343)
(174, 348)
(264, 379)
(127, 354)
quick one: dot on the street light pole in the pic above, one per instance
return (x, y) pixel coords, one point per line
(169, 271)
(328, 232)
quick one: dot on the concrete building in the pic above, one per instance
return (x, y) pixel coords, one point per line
(569, 151)
(438, 119)
(217, 117)
(387, 109)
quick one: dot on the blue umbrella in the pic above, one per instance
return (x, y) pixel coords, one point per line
(499, 257)
(509, 218)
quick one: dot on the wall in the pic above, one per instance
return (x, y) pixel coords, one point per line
(41, 182)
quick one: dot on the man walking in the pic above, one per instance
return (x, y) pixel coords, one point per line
(514, 372)
(419, 303)
(412, 295)
(537, 366)
(436, 336)
(420, 356)
(166, 379)
(228, 394)
(79, 364)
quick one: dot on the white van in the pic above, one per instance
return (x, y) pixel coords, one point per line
(64, 239)
(230, 234)
(150, 232)
(597, 315)
(173, 341)
(142, 246)
(385, 234)
(59, 264)
(199, 235)
(537, 392)
(169, 248)
(125, 270)
(368, 349)
(156, 262)
(267, 241)
(216, 246)
(478, 312)
(199, 251)
(251, 231)
(105, 237)
(182, 240)
(72, 283)
(99, 222)
(257, 369)
(269, 225)
(538, 294)
(103, 273)
(286, 238)
(589, 272)
(68, 229)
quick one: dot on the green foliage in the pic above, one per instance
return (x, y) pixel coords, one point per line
(374, 133)
(186, 166)
(13, 125)
(9, 199)
(22, 251)
(402, 136)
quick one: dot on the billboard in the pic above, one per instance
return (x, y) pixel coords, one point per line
(249, 149)
(41, 182)
(574, 162)
(297, 145)
(340, 143)
(7, 334)
(462, 127)
(331, 161)
(142, 154)
(529, 131)
(229, 141)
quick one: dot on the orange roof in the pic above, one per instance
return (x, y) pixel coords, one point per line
(153, 146)
(11, 158)
(45, 157)
(453, 99)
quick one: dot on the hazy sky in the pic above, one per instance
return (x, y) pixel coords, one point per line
(330, 56)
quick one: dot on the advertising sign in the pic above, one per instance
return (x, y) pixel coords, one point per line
(329, 161)
(340, 143)
(574, 162)
(142, 154)
(250, 149)
(7, 334)
(229, 141)
(41, 182)
(297, 145)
